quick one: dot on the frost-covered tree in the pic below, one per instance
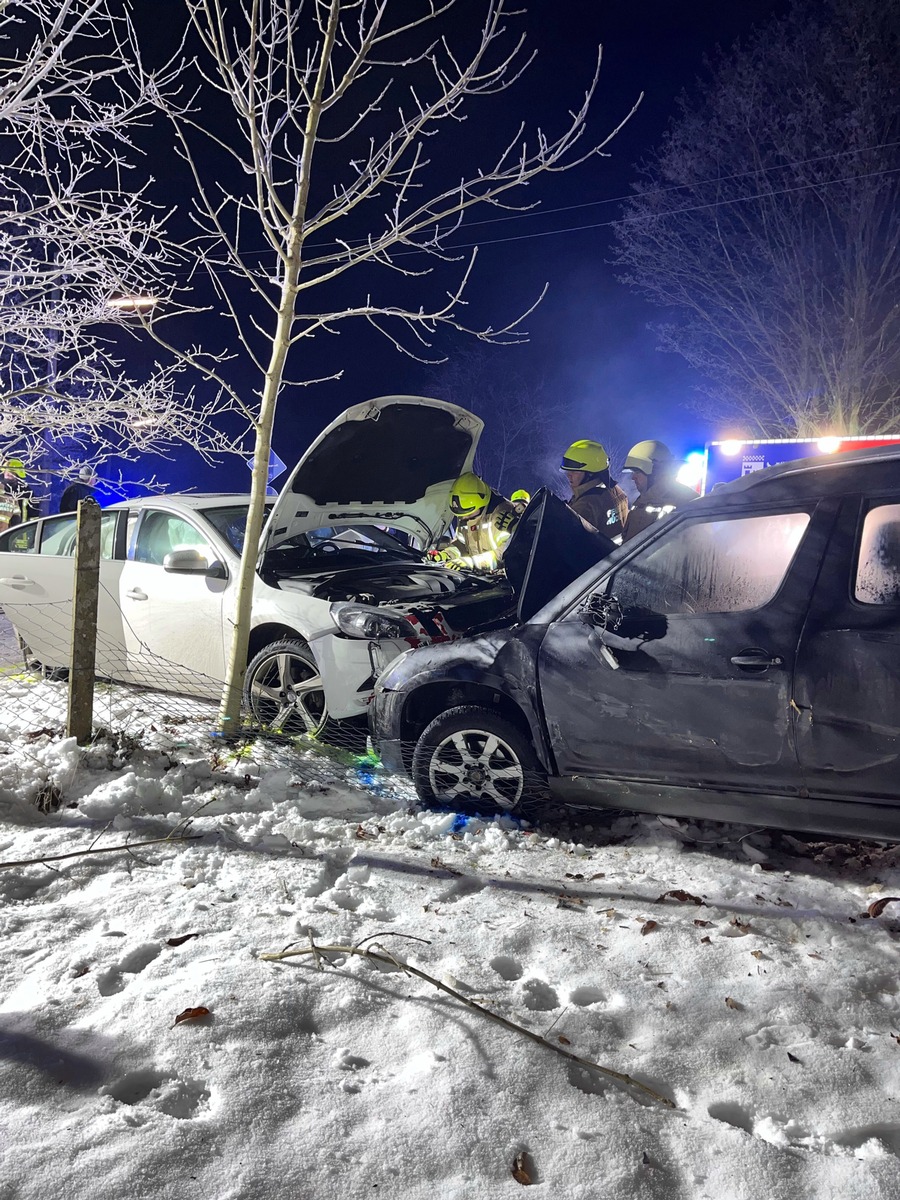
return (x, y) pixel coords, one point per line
(768, 225)
(339, 171)
(80, 246)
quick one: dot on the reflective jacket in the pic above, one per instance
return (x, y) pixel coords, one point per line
(604, 508)
(480, 543)
(661, 498)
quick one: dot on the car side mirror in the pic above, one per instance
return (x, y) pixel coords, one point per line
(601, 612)
(186, 562)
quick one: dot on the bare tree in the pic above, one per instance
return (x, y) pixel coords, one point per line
(81, 248)
(337, 108)
(768, 225)
(520, 445)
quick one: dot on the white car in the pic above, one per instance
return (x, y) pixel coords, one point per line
(343, 584)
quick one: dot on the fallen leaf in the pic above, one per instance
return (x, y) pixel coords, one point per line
(877, 907)
(562, 1038)
(896, 1037)
(179, 941)
(731, 1003)
(609, 912)
(648, 927)
(757, 953)
(678, 894)
(740, 926)
(702, 924)
(599, 875)
(814, 955)
(707, 939)
(793, 1057)
(569, 875)
(191, 1014)
(521, 1172)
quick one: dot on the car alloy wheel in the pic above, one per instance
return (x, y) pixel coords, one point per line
(284, 689)
(472, 756)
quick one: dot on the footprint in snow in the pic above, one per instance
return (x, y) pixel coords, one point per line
(539, 996)
(111, 981)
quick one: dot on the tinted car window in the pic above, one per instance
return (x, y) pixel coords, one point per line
(160, 533)
(878, 565)
(18, 540)
(712, 566)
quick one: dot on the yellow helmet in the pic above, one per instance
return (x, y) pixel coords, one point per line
(521, 494)
(469, 495)
(15, 466)
(648, 456)
(585, 456)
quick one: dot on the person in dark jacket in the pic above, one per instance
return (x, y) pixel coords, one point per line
(653, 467)
(596, 498)
(81, 489)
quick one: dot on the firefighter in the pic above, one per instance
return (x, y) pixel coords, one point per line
(520, 500)
(15, 495)
(652, 467)
(596, 498)
(484, 523)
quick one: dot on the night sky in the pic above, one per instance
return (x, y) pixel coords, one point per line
(589, 342)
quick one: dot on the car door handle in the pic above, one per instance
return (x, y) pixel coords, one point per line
(756, 660)
(136, 594)
(16, 581)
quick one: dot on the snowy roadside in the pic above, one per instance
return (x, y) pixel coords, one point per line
(768, 1013)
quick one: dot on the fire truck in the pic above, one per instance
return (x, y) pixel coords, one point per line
(727, 460)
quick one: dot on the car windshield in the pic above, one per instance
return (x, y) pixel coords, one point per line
(231, 522)
(346, 545)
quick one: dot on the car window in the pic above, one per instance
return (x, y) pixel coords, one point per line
(19, 540)
(712, 566)
(59, 533)
(159, 533)
(878, 564)
(231, 522)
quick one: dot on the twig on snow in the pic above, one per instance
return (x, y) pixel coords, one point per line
(45, 858)
(385, 957)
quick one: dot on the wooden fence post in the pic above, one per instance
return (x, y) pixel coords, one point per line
(79, 721)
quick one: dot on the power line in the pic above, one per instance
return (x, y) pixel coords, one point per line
(675, 187)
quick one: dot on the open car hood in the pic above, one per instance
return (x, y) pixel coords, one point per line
(389, 462)
(550, 547)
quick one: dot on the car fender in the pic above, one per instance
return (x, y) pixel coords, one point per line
(503, 661)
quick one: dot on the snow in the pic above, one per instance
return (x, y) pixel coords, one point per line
(358, 1079)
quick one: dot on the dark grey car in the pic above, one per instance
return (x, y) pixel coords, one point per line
(740, 660)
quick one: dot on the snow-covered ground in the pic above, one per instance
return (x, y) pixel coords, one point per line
(757, 998)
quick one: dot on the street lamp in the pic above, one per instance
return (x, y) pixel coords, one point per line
(133, 304)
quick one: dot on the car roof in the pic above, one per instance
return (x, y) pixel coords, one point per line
(185, 499)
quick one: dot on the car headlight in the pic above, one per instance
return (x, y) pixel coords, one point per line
(363, 621)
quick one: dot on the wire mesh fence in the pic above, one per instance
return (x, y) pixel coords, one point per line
(152, 700)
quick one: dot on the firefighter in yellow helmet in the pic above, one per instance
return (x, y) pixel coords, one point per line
(15, 495)
(520, 500)
(596, 498)
(484, 523)
(653, 467)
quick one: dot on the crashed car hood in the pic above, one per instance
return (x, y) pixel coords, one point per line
(389, 462)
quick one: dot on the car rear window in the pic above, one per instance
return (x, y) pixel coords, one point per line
(713, 566)
(878, 564)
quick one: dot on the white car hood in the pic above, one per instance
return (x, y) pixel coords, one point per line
(390, 461)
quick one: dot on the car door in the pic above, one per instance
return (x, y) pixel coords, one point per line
(848, 664)
(37, 580)
(173, 620)
(694, 687)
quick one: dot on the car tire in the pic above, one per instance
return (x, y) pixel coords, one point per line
(474, 758)
(283, 693)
